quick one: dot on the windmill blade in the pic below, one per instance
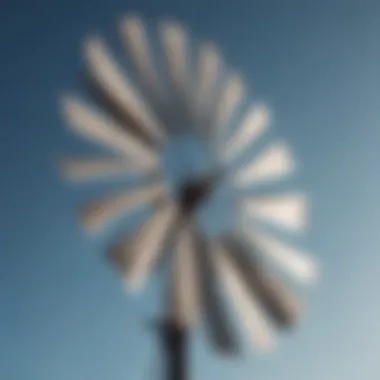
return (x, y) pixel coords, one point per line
(279, 302)
(97, 127)
(134, 35)
(185, 280)
(231, 95)
(273, 164)
(218, 322)
(295, 263)
(98, 213)
(115, 83)
(246, 305)
(149, 243)
(89, 168)
(254, 124)
(209, 66)
(287, 211)
(120, 257)
(175, 43)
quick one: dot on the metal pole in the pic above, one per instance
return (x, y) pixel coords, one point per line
(174, 335)
(174, 340)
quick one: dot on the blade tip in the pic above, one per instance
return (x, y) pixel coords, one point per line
(130, 22)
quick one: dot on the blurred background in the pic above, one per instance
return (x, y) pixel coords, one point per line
(63, 312)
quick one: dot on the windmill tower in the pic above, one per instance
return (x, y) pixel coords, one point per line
(134, 117)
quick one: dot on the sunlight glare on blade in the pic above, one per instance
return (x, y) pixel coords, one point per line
(116, 84)
(98, 213)
(246, 305)
(274, 163)
(288, 211)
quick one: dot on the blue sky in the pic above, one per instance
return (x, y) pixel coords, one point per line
(63, 313)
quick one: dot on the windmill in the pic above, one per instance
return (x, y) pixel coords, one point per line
(134, 116)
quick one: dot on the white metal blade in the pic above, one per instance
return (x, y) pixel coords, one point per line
(284, 306)
(295, 263)
(98, 213)
(119, 255)
(175, 43)
(246, 305)
(148, 244)
(254, 124)
(209, 65)
(116, 84)
(96, 126)
(274, 163)
(276, 299)
(88, 168)
(232, 94)
(185, 280)
(136, 41)
(288, 211)
(219, 324)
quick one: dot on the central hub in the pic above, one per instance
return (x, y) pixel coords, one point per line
(193, 193)
(189, 171)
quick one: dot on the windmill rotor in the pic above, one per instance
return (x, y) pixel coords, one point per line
(132, 116)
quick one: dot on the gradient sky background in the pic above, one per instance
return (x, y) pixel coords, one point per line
(63, 314)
